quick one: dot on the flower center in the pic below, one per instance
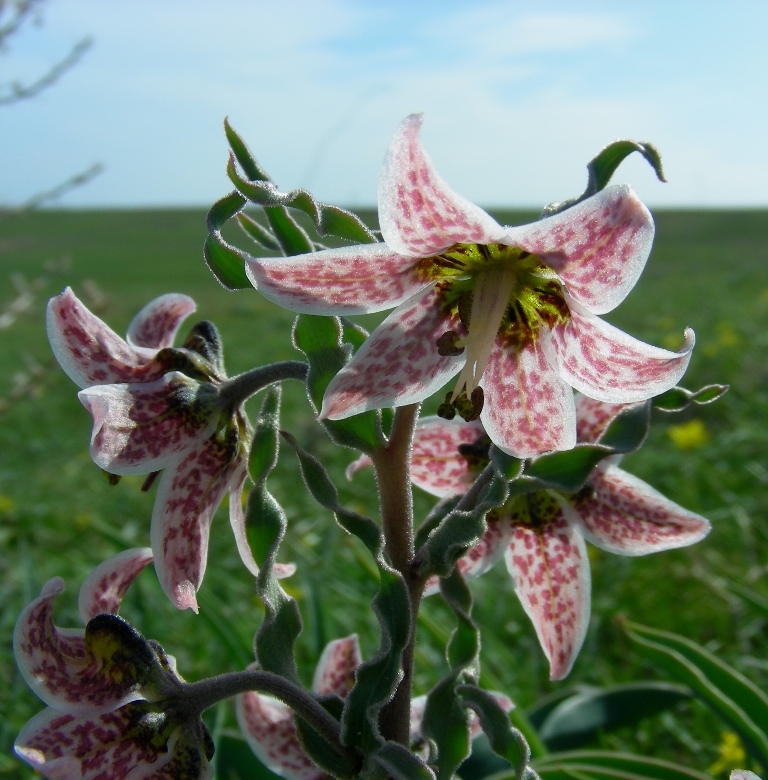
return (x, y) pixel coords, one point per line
(498, 292)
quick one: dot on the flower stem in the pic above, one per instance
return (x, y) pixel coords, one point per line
(393, 474)
(237, 389)
(196, 697)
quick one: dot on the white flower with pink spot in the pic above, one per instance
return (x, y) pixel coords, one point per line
(512, 310)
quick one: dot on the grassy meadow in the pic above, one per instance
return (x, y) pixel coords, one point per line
(59, 515)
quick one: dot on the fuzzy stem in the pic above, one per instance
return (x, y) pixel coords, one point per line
(237, 389)
(199, 696)
(393, 474)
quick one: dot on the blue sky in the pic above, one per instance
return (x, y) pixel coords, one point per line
(517, 97)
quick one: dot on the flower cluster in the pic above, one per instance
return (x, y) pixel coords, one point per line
(541, 534)
(108, 690)
(513, 311)
(159, 408)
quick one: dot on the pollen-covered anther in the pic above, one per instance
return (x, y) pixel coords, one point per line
(447, 409)
(448, 344)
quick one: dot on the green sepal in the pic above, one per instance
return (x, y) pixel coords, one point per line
(400, 764)
(265, 445)
(375, 680)
(291, 237)
(274, 641)
(320, 339)
(123, 654)
(439, 512)
(607, 765)
(505, 740)
(678, 398)
(602, 167)
(459, 530)
(227, 262)
(505, 465)
(578, 718)
(731, 695)
(244, 157)
(263, 237)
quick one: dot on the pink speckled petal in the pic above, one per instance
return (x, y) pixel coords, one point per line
(528, 408)
(609, 365)
(598, 247)
(268, 727)
(237, 521)
(335, 672)
(63, 746)
(547, 559)
(627, 516)
(188, 495)
(398, 364)
(419, 214)
(437, 466)
(743, 774)
(105, 586)
(363, 462)
(156, 325)
(348, 280)
(594, 417)
(58, 666)
(139, 428)
(483, 556)
(90, 352)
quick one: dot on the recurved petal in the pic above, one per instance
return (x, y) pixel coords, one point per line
(59, 666)
(483, 556)
(528, 408)
(139, 428)
(547, 559)
(90, 352)
(268, 727)
(237, 521)
(598, 247)
(105, 586)
(625, 515)
(156, 325)
(112, 746)
(335, 672)
(419, 214)
(398, 364)
(593, 417)
(608, 365)
(348, 280)
(188, 495)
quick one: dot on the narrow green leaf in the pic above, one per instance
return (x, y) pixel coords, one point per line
(291, 237)
(577, 720)
(320, 339)
(244, 157)
(400, 763)
(263, 237)
(604, 765)
(726, 691)
(678, 398)
(266, 436)
(601, 168)
(226, 262)
(505, 740)
(755, 600)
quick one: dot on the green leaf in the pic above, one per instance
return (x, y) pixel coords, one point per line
(320, 339)
(505, 740)
(755, 600)
(577, 720)
(227, 262)
(604, 765)
(601, 168)
(244, 157)
(400, 763)
(265, 444)
(678, 398)
(263, 237)
(731, 695)
(291, 237)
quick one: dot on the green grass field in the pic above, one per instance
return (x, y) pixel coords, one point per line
(59, 516)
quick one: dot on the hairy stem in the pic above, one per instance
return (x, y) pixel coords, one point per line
(237, 389)
(199, 696)
(393, 474)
